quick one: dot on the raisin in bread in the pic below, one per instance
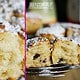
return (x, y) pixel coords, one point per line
(65, 51)
(38, 53)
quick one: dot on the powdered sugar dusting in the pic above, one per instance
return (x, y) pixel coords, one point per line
(55, 29)
(7, 6)
(17, 21)
(59, 29)
(11, 28)
(34, 41)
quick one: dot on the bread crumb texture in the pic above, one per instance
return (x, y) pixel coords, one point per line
(11, 56)
(66, 50)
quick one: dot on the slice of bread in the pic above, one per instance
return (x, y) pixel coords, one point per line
(65, 51)
(38, 53)
(11, 56)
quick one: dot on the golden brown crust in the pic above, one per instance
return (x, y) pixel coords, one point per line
(69, 32)
(50, 37)
(72, 32)
(33, 24)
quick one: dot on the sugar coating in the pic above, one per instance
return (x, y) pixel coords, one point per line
(55, 29)
(6, 10)
(12, 28)
(34, 41)
(59, 28)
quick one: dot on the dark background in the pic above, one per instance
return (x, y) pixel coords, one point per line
(61, 7)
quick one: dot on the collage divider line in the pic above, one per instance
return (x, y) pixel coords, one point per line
(25, 50)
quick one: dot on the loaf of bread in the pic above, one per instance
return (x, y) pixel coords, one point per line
(34, 22)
